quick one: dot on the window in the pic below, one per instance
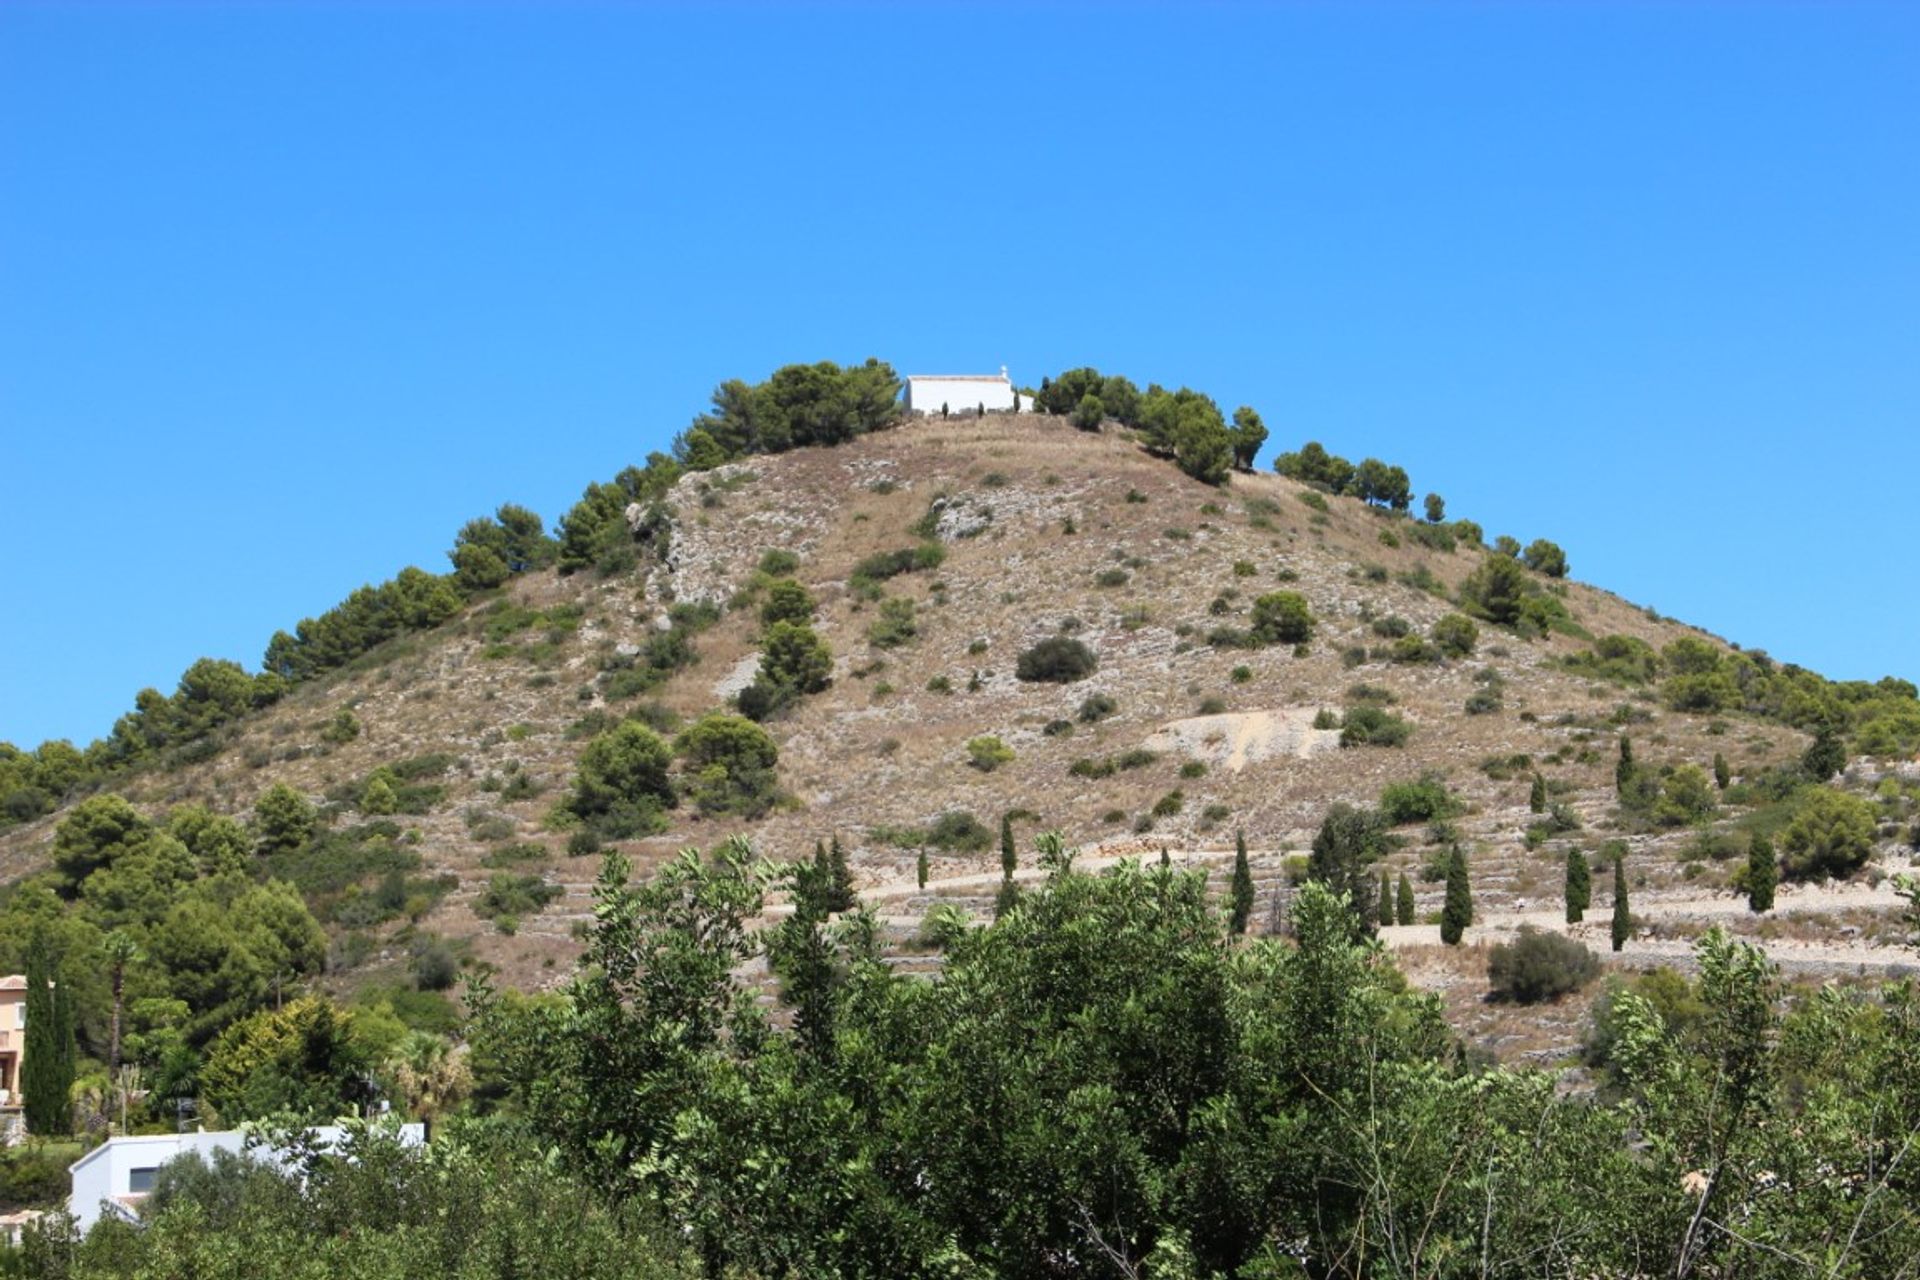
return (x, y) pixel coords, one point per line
(140, 1181)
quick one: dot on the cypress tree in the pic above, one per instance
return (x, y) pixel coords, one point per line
(1763, 874)
(1579, 886)
(1457, 913)
(842, 896)
(1623, 771)
(1009, 856)
(1622, 914)
(1006, 899)
(1537, 795)
(1403, 901)
(1242, 891)
(1385, 903)
(1722, 775)
(46, 1072)
(920, 869)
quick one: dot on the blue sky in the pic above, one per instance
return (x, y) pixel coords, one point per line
(288, 292)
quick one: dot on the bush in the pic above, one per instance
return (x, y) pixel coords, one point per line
(895, 625)
(787, 601)
(1539, 966)
(1375, 727)
(1282, 617)
(1421, 801)
(1831, 834)
(1545, 557)
(507, 897)
(1455, 635)
(1056, 660)
(730, 764)
(620, 785)
(1097, 707)
(987, 753)
(958, 831)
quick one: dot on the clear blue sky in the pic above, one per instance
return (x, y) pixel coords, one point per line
(287, 292)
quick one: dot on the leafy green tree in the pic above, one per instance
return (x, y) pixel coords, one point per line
(1831, 834)
(1623, 769)
(477, 568)
(1686, 797)
(300, 1059)
(1436, 509)
(1763, 873)
(1009, 854)
(730, 764)
(1537, 795)
(787, 601)
(1546, 557)
(1240, 893)
(1579, 890)
(1456, 913)
(1826, 756)
(1622, 927)
(1403, 910)
(1247, 435)
(46, 1069)
(1497, 590)
(1089, 413)
(1383, 902)
(1349, 841)
(1377, 483)
(283, 820)
(95, 834)
(1282, 617)
(621, 783)
(1507, 546)
(793, 657)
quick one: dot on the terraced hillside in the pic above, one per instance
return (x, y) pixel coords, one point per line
(1173, 743)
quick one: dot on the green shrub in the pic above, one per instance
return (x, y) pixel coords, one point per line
(895, 626)
(729, 765)
(1373, 726)
(1112, 578)
(1539, 965)
(1455, 635)
(1282, 617)
(987, 753)
(1831, 834)
(1420, 801)
(1056, 660)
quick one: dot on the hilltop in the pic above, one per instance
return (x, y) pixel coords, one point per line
(1187, 731)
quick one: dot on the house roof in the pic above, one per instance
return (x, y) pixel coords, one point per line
(958, 377)
(13, 982)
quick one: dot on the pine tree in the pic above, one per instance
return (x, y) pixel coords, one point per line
(1722, 775)
(1537, 795)
(1457, 913)
(1403, 901)
(816, 891)
(1009, 855)
(1385, 901)
(1622, 914)
(1763, 874)
(1579, 886)
(1623, 771)
(47, 1068)
(1242, 891)
(920, 869)
(841, 896)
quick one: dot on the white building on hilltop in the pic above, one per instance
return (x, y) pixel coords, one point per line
(930, 393)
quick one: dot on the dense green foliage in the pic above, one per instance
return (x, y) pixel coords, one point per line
(1055, 660)
(46, 1075)
(1579, 887)
(799, 405)
(1103, 1074)
(1538, 965)
(1456, 912)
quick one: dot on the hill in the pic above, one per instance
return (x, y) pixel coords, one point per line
(1189, 729)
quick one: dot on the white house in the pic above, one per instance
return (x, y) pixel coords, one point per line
(928, 393)
(117, 1176)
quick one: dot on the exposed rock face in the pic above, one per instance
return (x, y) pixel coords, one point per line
(1234, 740)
